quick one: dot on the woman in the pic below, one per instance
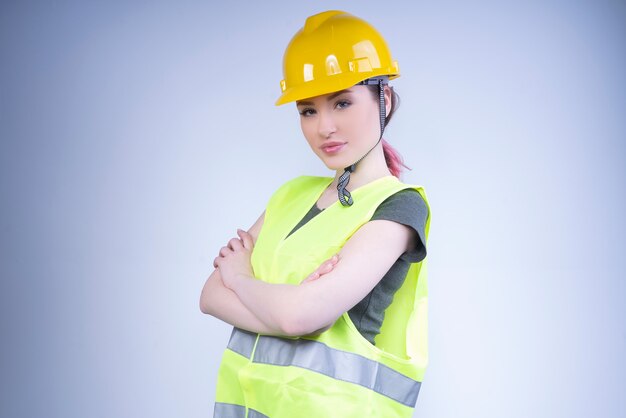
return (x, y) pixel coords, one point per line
(327, 290)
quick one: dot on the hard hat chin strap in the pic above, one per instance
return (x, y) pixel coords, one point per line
(344, 195)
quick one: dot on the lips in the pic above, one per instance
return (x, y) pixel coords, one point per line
(332, 147)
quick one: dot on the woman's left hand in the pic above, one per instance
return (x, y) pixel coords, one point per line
(234, 259)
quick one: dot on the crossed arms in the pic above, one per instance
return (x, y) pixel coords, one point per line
(232, 294)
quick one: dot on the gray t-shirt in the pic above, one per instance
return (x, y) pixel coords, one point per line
(407, 208)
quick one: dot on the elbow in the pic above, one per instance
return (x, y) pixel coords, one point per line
(291, 319)
(208, 294)
(290, 328)
(299, 317)
(205, 305)
(300, 325)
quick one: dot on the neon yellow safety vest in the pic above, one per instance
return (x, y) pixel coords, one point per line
(337, 373)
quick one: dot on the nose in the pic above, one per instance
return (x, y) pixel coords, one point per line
(326, 124)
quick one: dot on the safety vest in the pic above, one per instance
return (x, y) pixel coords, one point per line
(337, 373)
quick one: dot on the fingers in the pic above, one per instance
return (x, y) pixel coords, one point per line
(325, 268)
(246, 239)
(235, 244)
(224, 251)
(313, 276)
(328, 265)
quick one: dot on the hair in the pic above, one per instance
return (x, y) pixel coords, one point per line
(394, 160)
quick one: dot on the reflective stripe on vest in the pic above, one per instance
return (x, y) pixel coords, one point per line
(229, 410)
(255, 414)
(242, 342)
(319, 358)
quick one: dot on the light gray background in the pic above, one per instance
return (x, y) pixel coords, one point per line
(137, 136)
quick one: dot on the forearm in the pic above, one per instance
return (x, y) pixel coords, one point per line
(219, 301)
(290, 308)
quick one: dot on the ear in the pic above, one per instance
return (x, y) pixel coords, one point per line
(388, 94)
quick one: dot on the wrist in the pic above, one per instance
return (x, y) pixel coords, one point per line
(237, 280)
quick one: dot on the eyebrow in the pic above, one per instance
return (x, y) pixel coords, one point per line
(332, 96)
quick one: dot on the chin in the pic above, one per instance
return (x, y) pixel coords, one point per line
(336, 162)
(335, 165)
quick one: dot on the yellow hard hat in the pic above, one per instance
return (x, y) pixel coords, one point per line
(333, 51)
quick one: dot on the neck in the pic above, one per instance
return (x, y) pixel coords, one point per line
(370, 168)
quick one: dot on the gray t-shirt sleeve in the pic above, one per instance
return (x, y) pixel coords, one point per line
(407, 207)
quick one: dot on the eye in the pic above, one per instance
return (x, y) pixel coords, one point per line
(342, 104)
(307, 111)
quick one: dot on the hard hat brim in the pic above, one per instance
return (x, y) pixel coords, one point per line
(330, 85)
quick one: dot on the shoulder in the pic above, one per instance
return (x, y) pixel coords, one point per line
(407, 203)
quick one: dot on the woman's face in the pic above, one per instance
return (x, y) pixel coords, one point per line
(340, 127)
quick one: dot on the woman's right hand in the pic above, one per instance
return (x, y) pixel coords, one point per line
(324, 268)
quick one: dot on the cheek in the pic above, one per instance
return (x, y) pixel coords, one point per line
(365, 122)
(308, 129)
(374, 120)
